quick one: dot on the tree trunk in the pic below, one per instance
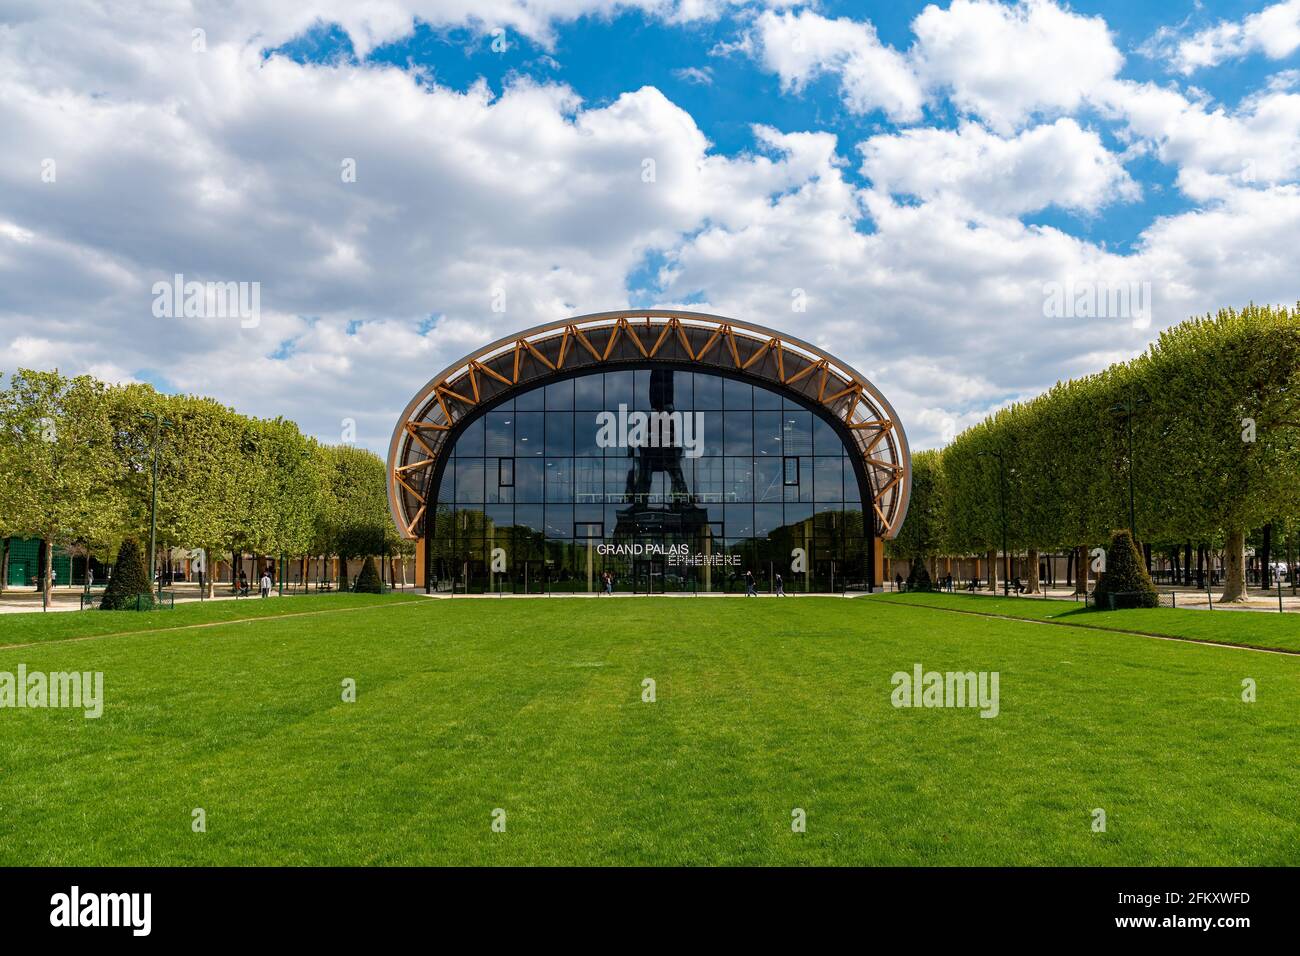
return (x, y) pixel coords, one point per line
(4, 564)
(1081, 567)
(1032, 561)
(1266, 557)
(993, 570)
(47, 571)
(1069, 568)
(1234, 567)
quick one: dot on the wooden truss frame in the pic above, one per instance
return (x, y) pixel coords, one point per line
(608, 340)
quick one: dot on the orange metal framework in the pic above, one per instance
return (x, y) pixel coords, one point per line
(665, 338)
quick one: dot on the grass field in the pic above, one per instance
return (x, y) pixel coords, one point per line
(1265, 629)
(535, 707)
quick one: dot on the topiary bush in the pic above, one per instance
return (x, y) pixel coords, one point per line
(1125, 582)
(368, 581)
(129, 588)
(918, 577)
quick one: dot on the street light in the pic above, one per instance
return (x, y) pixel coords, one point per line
(158, 425)
(1002, 506)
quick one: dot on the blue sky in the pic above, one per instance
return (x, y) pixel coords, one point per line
(922, 173)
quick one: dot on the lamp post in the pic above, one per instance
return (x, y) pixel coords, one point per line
(158, 425)
(1002, 507)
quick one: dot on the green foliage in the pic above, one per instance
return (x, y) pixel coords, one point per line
(62, 474)
(130, 587)
(1125, 582)
(918, 578)
(368, 581)
(923, 532)
(1215, 414)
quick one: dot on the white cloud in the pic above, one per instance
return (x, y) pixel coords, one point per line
(1005, 62)
(1273, 31)
(1059, 164)
(803, 46)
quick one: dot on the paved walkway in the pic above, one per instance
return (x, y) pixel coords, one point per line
(1181, 597)
(68, 597)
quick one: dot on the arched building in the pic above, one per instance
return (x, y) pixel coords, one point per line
(674, 450)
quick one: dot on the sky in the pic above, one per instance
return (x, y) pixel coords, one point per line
(966, 201)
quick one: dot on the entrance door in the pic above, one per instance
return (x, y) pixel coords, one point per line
(648, 575)
(530, 577)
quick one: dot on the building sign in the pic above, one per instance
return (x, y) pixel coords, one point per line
(673, 554)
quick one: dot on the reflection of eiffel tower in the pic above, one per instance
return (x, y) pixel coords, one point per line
(678, 514)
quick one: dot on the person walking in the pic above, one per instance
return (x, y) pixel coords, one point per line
(780, 586)
(265, 584)
(750, 589)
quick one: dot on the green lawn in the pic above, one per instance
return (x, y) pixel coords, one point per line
(63, 625)
(1267, 629)
(534, 706)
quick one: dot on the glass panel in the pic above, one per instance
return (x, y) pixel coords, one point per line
(528, 479)
(559, 521)
(740, 479)
(618, 390)
(825, 441)
(589, 392)
(533, 401)
(737, 396)
(739, 433)
(708, 391)
(559, 396)
(740, 520)
(709, 479)
(713, 433)
(529, 516)
(559, 434)
(589, 480)
(529, 434)
(768, 479)
(470, 442)
(500, 433)
(767, 518)
(585, 430)
(641, 389)
(827, 478)
(796, 432)
(767, 433)
(766, 399)
(559, 480)
(469, 480)
(617, 475)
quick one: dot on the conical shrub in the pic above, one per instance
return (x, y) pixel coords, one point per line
(129, 588)
(918, 578)
(1125, 582)
(368, 581)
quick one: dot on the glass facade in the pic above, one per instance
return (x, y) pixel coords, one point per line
(669, 480)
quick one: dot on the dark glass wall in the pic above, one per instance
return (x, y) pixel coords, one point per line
(537, 497)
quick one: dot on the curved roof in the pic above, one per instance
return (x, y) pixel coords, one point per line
(606, 340)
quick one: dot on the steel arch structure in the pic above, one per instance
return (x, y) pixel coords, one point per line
(691, 341)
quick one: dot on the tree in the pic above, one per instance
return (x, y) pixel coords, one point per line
(130, 586)
(62, 472)
(1125, 582)
(368, 580)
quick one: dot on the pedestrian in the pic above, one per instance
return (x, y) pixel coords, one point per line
(243, 582)
(266, 584)
(90, 577)
(750, 589)
(780, 586)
